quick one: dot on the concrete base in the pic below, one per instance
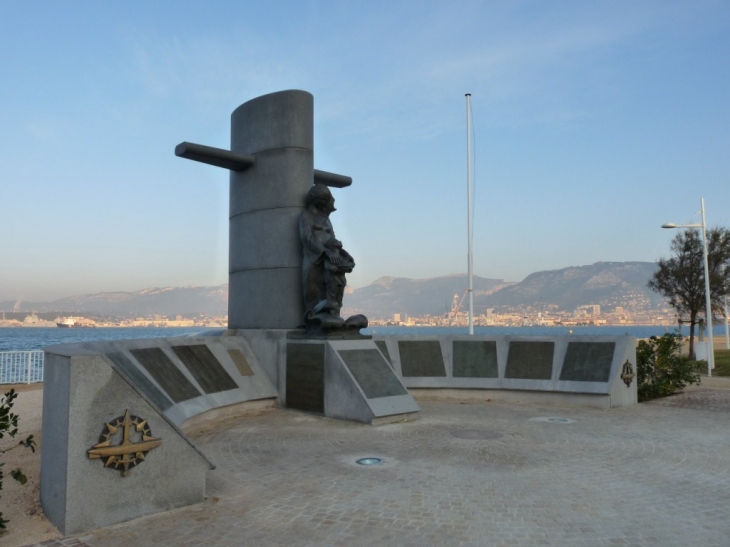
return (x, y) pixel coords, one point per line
(238, 410)
(82, 394)
(588, 400)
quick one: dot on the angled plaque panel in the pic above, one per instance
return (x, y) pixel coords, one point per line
(131, 371)
(370, 370)
(530, 360)
(588, 361)
(361, 386)
(205, 368)
(165, 373)
(421, 358)
(476, 359)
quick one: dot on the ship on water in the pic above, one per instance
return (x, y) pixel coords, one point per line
(72, 323)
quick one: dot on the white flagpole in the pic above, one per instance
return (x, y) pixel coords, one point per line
(469, 214)
(708, 302)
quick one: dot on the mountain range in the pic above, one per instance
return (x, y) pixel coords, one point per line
(608, 284)
(169, 301)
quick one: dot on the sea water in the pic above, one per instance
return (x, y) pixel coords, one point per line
(32, 338)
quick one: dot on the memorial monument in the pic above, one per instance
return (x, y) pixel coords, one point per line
(274, 188)
(124, 404)
(271, 171)
(287, 269)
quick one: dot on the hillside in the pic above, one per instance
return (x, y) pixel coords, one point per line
(389, 295)
(169, 301)
(606, 283)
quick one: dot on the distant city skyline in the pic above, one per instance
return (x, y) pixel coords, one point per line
(595, 123)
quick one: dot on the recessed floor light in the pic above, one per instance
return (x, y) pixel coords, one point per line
(369, 461)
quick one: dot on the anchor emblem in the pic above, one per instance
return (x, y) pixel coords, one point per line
(126, 455)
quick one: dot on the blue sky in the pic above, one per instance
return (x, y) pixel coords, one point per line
(595, 123)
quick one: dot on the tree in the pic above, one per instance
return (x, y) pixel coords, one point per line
(681, 279)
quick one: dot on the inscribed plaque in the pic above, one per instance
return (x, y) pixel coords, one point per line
(305, 377)
(421, 358)
(131, 371)
(239, 359)
(165, 373)
(588, 361)
(476, 359)
(373, 374)
(530, 360)
(205, 368)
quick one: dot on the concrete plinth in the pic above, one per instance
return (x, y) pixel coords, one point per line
(82, 395)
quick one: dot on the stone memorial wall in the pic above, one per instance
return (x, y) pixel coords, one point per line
(584, 370)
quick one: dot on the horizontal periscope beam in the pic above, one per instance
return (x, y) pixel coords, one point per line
(214, 156)
(239, 162)
(331, 179)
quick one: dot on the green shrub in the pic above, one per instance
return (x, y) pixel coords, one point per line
(661, 369)
(9, 427)
(722, 362)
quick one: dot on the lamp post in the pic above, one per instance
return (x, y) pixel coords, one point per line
(727, 334)
(708, 303)
(724, 305)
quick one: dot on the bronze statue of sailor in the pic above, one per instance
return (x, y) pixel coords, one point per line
(324, 265)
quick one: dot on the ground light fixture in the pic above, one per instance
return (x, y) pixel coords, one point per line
(708, 304)
(370, 461)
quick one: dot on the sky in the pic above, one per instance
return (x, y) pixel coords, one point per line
(595, 122)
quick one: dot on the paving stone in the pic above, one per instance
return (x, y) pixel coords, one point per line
(625, 476)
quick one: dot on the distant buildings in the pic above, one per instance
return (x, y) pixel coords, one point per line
(632, 313)
(32, 320)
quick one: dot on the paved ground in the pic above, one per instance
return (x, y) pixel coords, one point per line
(462, 474)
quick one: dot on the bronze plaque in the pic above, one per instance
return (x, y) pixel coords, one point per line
(421, 358)
(530, 360)
(205, 368)
(239, 359)
(374, 375)
(165, 373)
(305, 377)
(476, 359)
(131, 371)
(588, 361)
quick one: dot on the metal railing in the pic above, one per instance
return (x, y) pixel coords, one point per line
(21, 367)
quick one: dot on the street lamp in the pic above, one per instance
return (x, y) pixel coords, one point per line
(727, 332)
(708, 303)
(724, 302)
